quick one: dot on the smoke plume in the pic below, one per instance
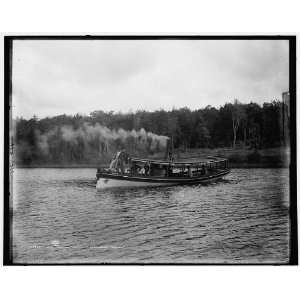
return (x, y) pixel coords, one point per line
(89, 142)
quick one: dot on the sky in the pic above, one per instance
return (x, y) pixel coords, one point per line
(53, 77)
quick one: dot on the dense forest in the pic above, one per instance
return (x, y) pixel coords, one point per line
(95, 138)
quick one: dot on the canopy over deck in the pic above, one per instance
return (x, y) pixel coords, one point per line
(178, 164)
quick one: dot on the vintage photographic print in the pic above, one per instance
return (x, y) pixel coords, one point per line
(150, 150)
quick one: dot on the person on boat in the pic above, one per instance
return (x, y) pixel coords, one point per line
(147, 168)
(203, 170)
(170, 157)
(134, 168)
(123, 158)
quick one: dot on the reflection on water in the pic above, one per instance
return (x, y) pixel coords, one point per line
(59, 217)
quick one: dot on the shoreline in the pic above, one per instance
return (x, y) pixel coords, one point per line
(238, 158)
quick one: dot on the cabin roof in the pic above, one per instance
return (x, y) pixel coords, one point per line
(182, 163)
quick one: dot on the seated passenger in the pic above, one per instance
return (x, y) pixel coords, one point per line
(134, 169)
(147, 168)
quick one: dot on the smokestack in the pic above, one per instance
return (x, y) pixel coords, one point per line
(169, 147)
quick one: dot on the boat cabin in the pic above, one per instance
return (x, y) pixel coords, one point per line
(123, 164)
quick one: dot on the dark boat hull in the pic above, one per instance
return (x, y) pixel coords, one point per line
(107, 180)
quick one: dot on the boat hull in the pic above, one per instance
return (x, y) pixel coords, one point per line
(107, 181)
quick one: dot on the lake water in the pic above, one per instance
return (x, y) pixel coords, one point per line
(59, 217)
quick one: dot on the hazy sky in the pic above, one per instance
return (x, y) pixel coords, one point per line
(56, 77)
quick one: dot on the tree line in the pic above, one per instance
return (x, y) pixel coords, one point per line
(95, 138)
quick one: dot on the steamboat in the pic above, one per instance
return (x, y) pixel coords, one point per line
(127, 171)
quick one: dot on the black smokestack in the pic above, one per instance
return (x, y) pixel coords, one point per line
(169, 148)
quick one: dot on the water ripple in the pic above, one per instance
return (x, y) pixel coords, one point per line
(58, 216)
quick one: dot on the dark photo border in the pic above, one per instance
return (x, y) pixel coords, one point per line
(8, 44)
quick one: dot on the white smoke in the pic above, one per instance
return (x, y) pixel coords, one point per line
(42, 142)
(98, 134)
